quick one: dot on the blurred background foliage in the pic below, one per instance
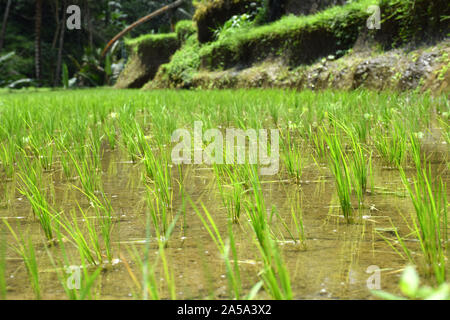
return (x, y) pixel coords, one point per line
(75, 53)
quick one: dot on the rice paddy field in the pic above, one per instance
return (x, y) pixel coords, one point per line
(93, 207)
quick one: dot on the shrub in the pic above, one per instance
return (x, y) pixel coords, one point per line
(212, 14)
(415, 22)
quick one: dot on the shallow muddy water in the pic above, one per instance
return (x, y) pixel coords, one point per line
(335, 264)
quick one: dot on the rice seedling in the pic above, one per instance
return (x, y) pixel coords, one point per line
(283, 224)
(2, 268)
(40, 142)
(430, 221)
(129, 127)
(162, 240)
(89, 245)
(292, 158)
(158, 210)
(37, 198)
(391, 143)
(182, 192)
(110, 132)
(319, 143)
(66, 165)
(104, 215)
(296, 210)
(89, 136)
(233, 274)
(358, 163)
(6, 193)
(274, 275)
(274, 113)
(159, 170)
(227, 179)
(76, 285)
(94, 142)
(25, 249)
(339, 166)
(149, 285)
(93, 245)
(226, 249)
(7, 158)
(162, 233)
(362, 128)
(87, 171)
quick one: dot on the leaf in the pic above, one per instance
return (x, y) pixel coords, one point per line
(7, 56)
(441, 293)
(386, 295)
(20, 82)
(254, 291)
(65, 76)
(409, 282)
(89, 282)
(108, 65)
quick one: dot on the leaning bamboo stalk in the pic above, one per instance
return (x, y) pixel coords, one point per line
(141, 21)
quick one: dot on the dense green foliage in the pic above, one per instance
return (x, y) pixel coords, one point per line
(414, 21)
(184, 29)
(211, 15)
(135, 43)
(100, 21)
(305, 39)
(299, 39)
(183, 65)
(238, 30)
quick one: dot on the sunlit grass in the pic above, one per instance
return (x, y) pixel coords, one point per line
(430, 222)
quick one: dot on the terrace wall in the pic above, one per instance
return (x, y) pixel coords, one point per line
(147, 54)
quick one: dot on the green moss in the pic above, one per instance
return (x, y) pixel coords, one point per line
(183, 65)
(184, 29)
(206, 7)
(212, 14)
(299, 39)
(305, 39)
(413, 21)
(148, 53)
(151, 40)
(288, 34)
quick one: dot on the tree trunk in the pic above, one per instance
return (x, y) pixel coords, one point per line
(5, 19)
(58, 25)
(89, 24)
(37, 39)
(61, 45)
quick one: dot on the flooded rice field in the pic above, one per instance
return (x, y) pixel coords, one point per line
(92, 205)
